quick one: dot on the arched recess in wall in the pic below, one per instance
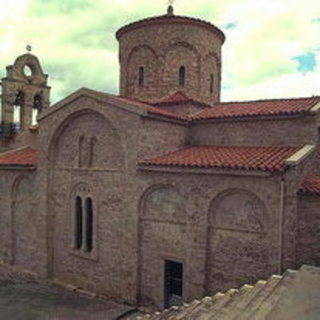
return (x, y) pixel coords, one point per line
(102, 148)
(161, 228)
(100, 142)
(24, 223)
(211, 75)
(237, 241)
(188, 58)
(141, 58)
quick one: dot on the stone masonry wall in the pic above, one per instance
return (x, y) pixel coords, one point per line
(290, 132)
(308, 230)
(19, 219)
(89, 148)
(109, 179)
(174, 213)
(162, 49)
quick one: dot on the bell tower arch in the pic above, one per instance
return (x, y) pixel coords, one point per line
(25, 92)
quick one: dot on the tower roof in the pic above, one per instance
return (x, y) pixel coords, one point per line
(169, 18)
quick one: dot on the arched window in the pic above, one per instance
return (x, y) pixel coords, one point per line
(211, 83)
(141, 77)
(78, 223)
(89, 224)
(81, 151)
(182, 76)
(93, 141)
(17, 111)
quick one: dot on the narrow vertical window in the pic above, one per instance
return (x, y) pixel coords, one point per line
(211, 83)
(182, 76)
(78, 223)
(93, 142)
(89, 224)
(81, 151)
(141, 77)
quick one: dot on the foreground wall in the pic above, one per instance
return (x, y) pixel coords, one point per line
(308, 230)
(223, 232)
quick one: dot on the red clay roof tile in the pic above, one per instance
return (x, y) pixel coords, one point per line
(24, 157)
(311, 185)
(224, 110)
(248, 158)
(175, 97)
(257, 108)
(178, 98)
(153, 110)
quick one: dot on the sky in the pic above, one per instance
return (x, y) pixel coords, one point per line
(272, 47)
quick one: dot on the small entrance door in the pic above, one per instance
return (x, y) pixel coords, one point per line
(173, 283)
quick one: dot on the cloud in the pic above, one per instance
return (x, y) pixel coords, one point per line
(75, 41)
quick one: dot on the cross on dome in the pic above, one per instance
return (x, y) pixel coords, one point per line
(170, 8)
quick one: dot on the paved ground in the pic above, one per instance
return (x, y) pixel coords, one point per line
(32, 301)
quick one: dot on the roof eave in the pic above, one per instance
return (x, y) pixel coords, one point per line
(300, 155)
(254, 117)
(160, 117)
(85, 92)
(315, 109)
(210, 171)
(18, 167)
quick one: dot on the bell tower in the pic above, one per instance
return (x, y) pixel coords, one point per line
(25, 92)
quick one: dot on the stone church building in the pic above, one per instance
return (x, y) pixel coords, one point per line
(160, 193)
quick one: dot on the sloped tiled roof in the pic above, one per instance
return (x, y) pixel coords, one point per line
(153, 110)
(247, 158)
(178, 98)
(19, 157)
(175, 97)
(292, 296)
(273, 107)
(311, 185)
(224, 110)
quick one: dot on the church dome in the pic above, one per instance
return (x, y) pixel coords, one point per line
(168, 53)
(169, 19)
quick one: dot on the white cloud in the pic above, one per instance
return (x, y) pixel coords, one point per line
(75, 41)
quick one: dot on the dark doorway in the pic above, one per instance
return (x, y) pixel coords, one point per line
(173, 277)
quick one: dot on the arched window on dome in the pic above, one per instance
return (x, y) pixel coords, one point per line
(141, 77)
(211, 83)
(182, 76)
